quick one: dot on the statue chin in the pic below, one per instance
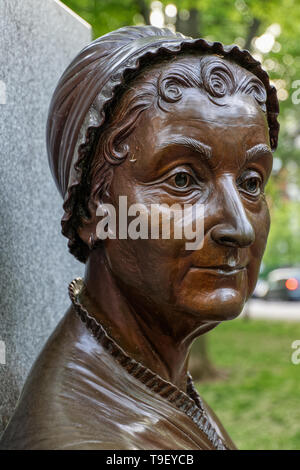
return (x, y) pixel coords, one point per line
(222, 299)
(221, 305)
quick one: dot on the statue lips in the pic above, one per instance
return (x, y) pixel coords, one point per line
(222, 270)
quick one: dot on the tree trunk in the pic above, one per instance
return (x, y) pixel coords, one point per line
(144, 10)
(252, 31)
(200, 365)
(191, 26)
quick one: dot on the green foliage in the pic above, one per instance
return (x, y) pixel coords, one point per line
(105, 15)
(283, 247)
(259, 402)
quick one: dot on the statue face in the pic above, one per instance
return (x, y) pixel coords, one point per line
(223, 162)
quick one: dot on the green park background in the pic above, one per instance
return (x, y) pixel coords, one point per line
(257, 387)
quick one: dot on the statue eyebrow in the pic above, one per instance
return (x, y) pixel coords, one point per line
(190, 143)
(258, 150)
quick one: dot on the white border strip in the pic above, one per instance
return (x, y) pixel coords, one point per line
(71, 12)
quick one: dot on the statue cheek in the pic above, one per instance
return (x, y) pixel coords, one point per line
(261, 224)
(264, 222)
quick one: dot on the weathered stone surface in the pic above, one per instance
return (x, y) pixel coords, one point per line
(38, 40)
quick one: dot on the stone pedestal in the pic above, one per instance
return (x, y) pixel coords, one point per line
(38, 40)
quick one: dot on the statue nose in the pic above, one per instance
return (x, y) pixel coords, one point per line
(226, 234)
(234, 228)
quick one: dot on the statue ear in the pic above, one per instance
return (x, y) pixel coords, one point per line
(97, 210)
(88, 228)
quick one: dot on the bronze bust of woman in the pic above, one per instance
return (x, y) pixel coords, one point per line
(148, 114)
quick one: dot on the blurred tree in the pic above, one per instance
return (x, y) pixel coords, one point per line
(283, 246)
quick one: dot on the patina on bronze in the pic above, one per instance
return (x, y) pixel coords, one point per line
(159, 118)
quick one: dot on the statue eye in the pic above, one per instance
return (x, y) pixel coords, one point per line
(182, 180)
(252, 185)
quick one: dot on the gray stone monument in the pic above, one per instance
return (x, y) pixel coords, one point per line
(38, 38)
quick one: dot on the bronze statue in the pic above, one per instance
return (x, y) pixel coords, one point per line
(149, 114)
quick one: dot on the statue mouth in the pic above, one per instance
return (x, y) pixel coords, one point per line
(224, 269)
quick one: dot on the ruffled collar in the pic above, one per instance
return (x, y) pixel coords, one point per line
(189, 403)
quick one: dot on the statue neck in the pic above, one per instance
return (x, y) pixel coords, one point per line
(149, 334)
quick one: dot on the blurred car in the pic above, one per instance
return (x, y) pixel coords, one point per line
(283, 284)
(261, 289)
